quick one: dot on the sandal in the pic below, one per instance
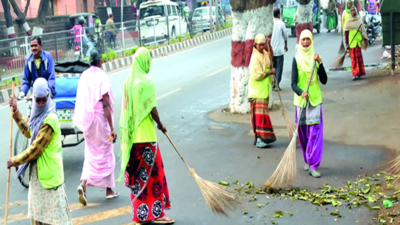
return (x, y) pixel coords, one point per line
(164, 220)
(114, 195)
(82, 195)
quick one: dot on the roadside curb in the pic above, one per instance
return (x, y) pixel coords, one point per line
(123, 62)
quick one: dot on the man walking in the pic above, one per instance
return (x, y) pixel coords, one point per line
(279, 45)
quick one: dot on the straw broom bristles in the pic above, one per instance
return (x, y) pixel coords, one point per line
(216, 197)
(394, 169)
(342, 49)
(339, 62)
(285, 174)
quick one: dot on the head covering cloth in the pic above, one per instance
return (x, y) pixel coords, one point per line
(305, 56)
(39, 113)
(138, 100)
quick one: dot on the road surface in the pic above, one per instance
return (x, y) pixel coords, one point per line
(189, 85)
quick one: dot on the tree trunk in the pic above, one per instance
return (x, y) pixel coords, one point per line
(109, 10)
(41, 17)
(249, 17)
(303, 18)
(21, 18)
(10, 28)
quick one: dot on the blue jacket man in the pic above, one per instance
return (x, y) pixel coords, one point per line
(39, 64)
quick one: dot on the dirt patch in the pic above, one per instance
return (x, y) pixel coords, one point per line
(364, 112)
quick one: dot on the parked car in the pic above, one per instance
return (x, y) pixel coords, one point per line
(201, 18)
(154, 26)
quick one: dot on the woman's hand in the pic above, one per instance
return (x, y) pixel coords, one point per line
(271, 71)
(13, 104)
(9, 163)
(304, 95)
(161, 127)
(317, 58)
(113, 136)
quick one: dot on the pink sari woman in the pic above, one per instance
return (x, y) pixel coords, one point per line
(94, 117)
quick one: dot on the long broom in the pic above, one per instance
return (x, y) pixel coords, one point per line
(289, 125)
(394, 169)
(342, 49)
(285, 173)
(339, 62)
(216, 197)
(9, 170)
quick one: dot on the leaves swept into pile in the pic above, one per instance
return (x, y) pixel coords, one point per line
(364, 191)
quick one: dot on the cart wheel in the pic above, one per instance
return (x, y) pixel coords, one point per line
(20, 144)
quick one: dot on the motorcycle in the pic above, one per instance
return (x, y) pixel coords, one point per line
(373, 27)
(77, 53)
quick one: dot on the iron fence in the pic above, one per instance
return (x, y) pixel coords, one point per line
(62, 45)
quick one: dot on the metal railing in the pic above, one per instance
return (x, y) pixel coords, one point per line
(61, 45)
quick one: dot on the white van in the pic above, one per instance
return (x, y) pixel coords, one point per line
(153, 21)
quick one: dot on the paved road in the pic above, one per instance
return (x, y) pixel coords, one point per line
(189, 85)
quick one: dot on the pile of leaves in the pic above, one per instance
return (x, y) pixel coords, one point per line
(368, 191)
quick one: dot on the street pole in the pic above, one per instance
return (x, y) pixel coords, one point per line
(122, 26)
(217, 15)
(211, 16)
(392, 35)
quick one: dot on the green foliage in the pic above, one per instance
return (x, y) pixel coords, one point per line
(226, 25)
(179, 38)
(134, 49)
(111, 55)
(128, 52)
(105, 57)
(188, 35)
(148, 47)
(172, 41)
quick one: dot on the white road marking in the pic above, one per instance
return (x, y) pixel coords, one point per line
(218, 71)
(169, 93)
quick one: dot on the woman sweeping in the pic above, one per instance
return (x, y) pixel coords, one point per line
(47, 199)
(310, 129)
(141, 157)
(331, 16)
(356, 38)
(94, 117)
(259, 89)
(346, 14)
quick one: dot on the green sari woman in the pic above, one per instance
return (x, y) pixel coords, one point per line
(331, 16)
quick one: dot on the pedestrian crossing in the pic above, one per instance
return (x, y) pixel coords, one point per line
(22, 218)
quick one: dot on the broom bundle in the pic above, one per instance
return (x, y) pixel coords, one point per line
(394, 169)
(342, 49)
(216, 197)
(339, 62)
(289, 125)
(285, 174)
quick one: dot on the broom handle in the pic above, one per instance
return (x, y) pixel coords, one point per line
(306, 102)
(176, 149)
(9, 170)
(276, 82)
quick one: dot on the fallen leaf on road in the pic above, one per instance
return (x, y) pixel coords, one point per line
(245, 212)
(278, 214)
(224, 183)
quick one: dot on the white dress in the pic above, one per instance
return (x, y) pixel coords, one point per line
(47, 206)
